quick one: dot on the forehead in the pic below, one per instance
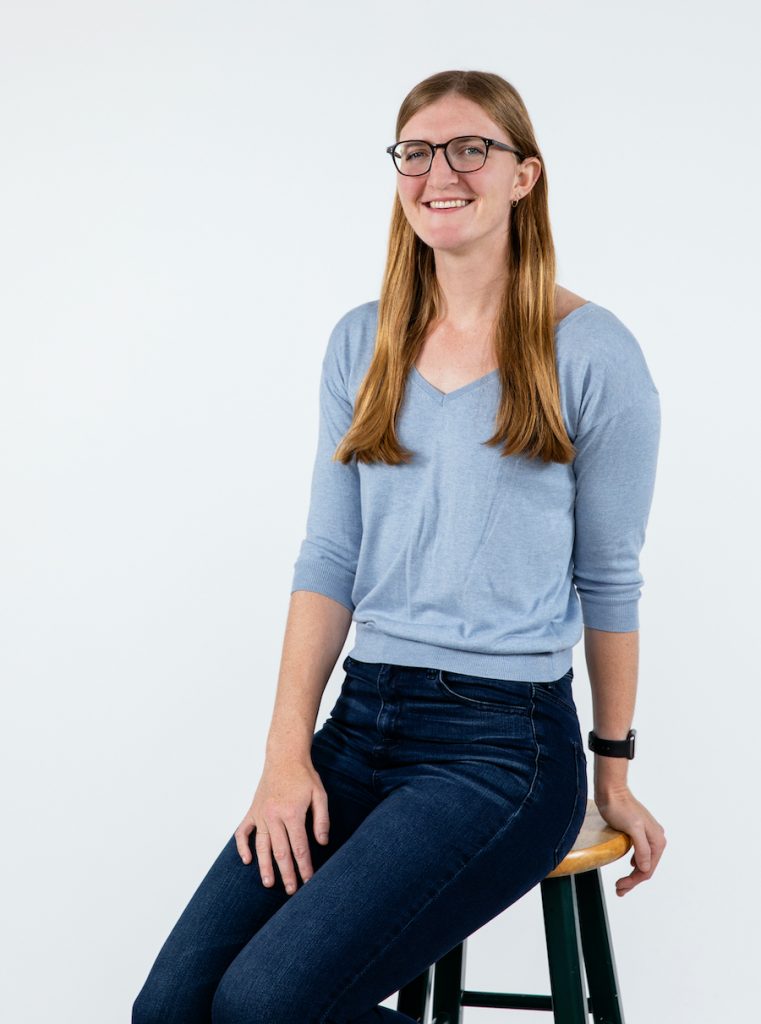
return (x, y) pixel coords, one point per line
(449, 117)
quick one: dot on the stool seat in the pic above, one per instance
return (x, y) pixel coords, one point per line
(578, 944)
(597, 844)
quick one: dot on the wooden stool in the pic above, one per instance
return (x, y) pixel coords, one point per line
(576, 930)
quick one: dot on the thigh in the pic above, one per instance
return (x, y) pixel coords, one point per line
(477, 787)
(231, 904)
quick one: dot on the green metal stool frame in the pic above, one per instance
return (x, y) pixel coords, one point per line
(577, 933)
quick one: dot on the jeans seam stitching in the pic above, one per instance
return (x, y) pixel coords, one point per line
(561, 841)
(561, 703)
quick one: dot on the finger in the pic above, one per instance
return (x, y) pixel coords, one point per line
(297, 834)
(242, 832)
(282, 851)
(321, 823)
(641, 856)
(657, 846)
(653, 848)
(650, 849)
(263, 848)
(625, 884)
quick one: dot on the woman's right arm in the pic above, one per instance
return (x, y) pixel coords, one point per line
(319, 618)
(315, 634)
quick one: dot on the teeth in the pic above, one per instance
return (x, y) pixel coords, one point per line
(449, 204)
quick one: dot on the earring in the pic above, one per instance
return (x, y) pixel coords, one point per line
(515, 203)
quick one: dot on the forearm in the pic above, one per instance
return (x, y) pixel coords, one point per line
(315, 633)
(612, 663)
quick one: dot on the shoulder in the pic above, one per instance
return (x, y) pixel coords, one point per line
(593, 335)
(351, 345)
(356, 323)
(602, 367)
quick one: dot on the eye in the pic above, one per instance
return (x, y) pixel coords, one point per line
(470, 149)
(412, 152)
(409, 157)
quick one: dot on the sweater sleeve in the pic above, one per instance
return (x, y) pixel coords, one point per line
(327, 560)
(615, 468)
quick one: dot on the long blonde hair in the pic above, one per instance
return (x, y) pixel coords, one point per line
(529, 420)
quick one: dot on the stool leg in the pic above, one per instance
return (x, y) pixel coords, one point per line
(561, 928)
(598, 950)
(415, 995)
(448, 985)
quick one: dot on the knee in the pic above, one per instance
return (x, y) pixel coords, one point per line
(232, 1006)
(240, 1002)
(157, 1004)
(145, 1010)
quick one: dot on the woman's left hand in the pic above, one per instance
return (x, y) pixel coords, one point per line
(624, 812)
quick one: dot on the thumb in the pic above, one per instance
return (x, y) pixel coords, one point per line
(320, 815)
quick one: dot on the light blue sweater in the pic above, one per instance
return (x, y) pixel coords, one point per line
(468, 561)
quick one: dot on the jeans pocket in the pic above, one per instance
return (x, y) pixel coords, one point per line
(573, 827)
(363, 670)
(560, 691)
(510, 695)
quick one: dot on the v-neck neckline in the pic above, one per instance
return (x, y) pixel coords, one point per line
(447, 396)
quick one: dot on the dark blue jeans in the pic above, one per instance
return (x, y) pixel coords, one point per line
(450, 796)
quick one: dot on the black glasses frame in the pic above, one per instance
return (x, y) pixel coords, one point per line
(488, 143)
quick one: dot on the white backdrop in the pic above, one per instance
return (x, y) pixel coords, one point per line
(166, 298)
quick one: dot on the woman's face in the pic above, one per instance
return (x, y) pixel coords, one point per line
(491, 188)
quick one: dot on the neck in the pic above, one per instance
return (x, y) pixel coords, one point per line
(471, 282)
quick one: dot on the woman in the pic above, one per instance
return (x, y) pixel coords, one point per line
(484, 474)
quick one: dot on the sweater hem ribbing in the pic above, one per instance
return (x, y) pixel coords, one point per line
(378, 648)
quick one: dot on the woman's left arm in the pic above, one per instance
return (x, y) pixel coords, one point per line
(612, 663)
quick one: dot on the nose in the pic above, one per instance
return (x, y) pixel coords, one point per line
(440, 170)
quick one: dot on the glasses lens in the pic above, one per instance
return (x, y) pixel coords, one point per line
(467, 154)
(412, 157)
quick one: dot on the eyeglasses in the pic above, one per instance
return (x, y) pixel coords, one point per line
(464, 154)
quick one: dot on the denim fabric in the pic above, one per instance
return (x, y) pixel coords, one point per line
(450, 796)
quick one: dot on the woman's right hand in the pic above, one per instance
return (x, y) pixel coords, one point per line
(285, 792)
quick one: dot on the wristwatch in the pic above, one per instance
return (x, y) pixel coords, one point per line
(613, 748)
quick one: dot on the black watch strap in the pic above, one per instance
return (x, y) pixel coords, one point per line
(613, 748)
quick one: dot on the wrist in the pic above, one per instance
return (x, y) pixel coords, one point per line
(608, 790)
(295, 745)
(610, 776)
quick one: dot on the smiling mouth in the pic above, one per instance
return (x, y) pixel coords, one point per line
(460, 205)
